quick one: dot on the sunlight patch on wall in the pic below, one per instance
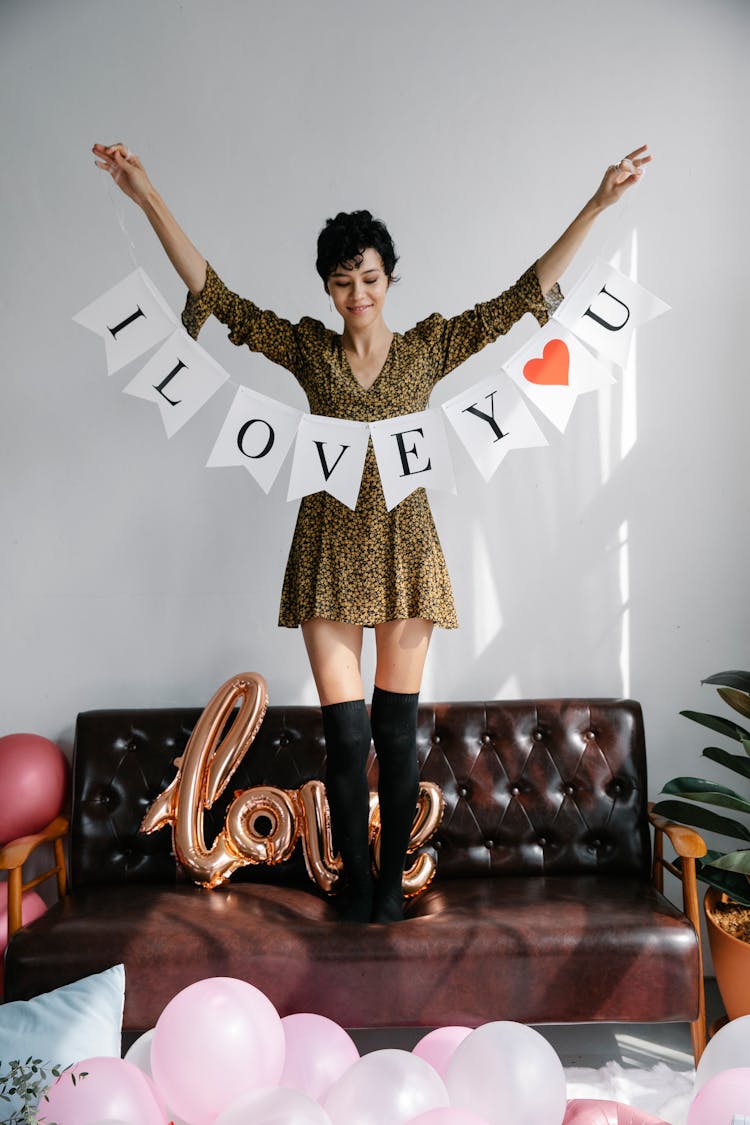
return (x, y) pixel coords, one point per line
(488, 618)
(623, 544)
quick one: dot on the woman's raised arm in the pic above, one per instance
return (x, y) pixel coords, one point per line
(617, 179)
(130, 176)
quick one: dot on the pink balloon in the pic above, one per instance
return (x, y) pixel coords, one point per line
(104, 1090)
(318, 1052)
(722, 1097)
(448, 1117)
(33, 782)
(216, 1040)
(32, 906)
(437, 1047)
(591, 1111)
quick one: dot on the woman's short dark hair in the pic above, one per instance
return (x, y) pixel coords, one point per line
(343, 241)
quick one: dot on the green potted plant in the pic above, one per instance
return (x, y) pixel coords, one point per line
(727, 872)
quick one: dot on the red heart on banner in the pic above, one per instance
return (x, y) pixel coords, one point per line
(552, 369)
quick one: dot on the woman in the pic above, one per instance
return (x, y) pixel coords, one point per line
(369, 567)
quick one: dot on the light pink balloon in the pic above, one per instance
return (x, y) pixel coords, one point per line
(448, 1117)
(33, 782)
(318, 1052)
(386, 1087)
(104, 1090)
(215, 1040)
(722, 1097)
(437, 1047)
(32, 906)
(591, 1111)
(275, 1105)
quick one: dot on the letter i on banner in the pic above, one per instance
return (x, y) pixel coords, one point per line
(180, 378)
(329, 457)
(412, 452)
(257, 434)
(491, 419)
(604, 309)
(131, 317)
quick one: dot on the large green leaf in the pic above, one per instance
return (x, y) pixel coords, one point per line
(735, 679)
(732, 884)
(697, 817)
(734, 861)
(717, 723)
(735, 762)
(709, 792)
(737, 700)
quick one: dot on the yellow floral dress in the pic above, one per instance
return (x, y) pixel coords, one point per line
(368, 565)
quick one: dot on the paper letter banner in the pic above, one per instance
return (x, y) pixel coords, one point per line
(329, 457)
(412, 452)
(491, 419)
(605, 308)
(257, 434)
(553, 368)
(180, 378)
(131, 318)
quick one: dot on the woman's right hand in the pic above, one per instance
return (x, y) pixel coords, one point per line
(125, 169)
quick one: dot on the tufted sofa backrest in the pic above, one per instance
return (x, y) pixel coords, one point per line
(531, 787)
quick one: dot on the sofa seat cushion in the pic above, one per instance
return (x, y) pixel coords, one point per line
(548, 949)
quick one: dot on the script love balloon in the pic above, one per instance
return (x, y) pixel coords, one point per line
(590, 1111)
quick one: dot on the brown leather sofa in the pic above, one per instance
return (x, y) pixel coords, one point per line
(544, 908)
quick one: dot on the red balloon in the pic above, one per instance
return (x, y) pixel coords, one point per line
(33, 782)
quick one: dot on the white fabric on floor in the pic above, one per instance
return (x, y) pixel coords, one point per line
(663, 1092)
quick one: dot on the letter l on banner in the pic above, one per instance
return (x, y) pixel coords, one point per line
(180, 378)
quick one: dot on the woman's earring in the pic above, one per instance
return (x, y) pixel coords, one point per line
(330, 303)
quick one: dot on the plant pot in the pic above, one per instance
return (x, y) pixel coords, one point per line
(731, 958)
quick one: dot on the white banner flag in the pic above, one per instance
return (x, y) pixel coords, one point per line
(606, 307)
(131, 317)
(412, 452)
(491, 418)
(180, 378)
(329, 456)
(553, 368)
(257, 434)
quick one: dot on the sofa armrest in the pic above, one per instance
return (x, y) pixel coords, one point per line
(17, 852)
(689, 845)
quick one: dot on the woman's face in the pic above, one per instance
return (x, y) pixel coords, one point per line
(359, 293)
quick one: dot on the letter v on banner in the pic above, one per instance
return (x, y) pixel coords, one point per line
(131, 317)
(605, 308)
(329, 456)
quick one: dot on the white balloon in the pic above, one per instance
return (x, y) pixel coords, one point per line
(510, 1074)
(139, 1053)
(386, 1087)
(729, 1049)
(273, 1105)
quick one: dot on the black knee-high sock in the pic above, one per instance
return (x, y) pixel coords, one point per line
(347, 733)
(394, 731)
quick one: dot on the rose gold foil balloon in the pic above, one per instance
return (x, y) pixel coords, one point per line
(430, 808)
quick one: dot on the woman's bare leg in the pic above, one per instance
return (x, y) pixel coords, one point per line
(402, 649)
(334, 649)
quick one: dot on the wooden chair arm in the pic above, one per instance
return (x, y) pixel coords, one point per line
(686, 841)
(15, 853)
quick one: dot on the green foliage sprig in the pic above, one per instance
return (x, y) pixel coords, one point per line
(728, 871)
(28, 1081)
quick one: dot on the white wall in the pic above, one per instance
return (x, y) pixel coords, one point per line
(611, 562)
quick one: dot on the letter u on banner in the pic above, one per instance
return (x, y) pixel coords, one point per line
(329, 456)
(256, 434)
(131, 317)
(412, 452)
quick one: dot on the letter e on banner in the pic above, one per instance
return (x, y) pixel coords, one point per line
(412, 452)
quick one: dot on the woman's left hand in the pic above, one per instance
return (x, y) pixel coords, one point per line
(619, 177)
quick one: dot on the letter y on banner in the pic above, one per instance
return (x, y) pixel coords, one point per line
(329, 457)
(130, 317)
(491, 418)
(180, 378)
(412, 452)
